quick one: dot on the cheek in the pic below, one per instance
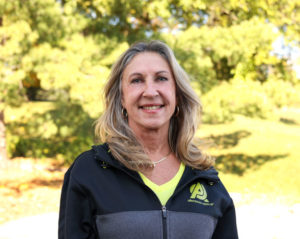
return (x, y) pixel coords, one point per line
(174, 96)
(122, 93)
(173, 91)
(124, 96)
(128, 98)
(124, 99)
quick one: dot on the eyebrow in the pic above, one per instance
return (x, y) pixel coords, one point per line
(135, 73)
(156, 73)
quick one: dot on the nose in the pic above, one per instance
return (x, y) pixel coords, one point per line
(150, 89)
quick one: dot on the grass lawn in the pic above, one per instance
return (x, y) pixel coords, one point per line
(259, 160)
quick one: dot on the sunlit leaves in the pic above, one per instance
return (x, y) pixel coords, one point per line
(65, 49)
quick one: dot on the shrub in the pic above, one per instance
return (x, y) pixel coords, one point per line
(237, 97)
(282, 93)
(43, 130)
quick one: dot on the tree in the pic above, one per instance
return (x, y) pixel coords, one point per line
(65, 48)
(43, 46)
(212, 55)
(12, 93)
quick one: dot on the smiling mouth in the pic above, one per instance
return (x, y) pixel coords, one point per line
(151, 107)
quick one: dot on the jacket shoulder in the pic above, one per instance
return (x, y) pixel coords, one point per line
(213, 179)
(88, 161)
(96, 152)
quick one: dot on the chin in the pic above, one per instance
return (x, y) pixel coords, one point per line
(148, 124)
(154, 126)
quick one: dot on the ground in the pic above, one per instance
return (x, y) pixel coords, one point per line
(29, 187)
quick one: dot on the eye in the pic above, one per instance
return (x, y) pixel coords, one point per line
(136, 80)
(161, 78)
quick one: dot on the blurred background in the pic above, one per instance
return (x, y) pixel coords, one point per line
(243, 57)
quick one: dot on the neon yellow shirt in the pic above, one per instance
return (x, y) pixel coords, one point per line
(164, 191)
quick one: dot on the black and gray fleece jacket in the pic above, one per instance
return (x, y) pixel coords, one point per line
(103, 199)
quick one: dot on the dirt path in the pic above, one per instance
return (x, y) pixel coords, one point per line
(29, 187)
(35, 227)
(268, 221)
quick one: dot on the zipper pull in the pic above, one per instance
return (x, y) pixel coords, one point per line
(164, 221)
(164, 211)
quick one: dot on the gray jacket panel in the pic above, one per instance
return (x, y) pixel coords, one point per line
(149, 225)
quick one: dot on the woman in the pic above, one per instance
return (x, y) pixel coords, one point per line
(148, 180)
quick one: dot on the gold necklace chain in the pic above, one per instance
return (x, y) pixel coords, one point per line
(162, 159)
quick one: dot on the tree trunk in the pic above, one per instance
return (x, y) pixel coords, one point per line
(3, 154)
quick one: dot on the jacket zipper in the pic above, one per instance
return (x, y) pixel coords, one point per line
(163, 208)
(164, 220)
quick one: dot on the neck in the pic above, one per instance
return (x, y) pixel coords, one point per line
(155, 142)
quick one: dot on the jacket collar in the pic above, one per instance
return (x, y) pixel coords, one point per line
(102, 153)
(106, 160)
(209, 175)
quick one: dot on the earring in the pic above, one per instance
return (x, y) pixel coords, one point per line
(124, 112)
(176, 112)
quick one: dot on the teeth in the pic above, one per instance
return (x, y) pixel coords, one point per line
(154, 107)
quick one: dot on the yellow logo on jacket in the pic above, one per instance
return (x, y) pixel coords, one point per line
(199, 195)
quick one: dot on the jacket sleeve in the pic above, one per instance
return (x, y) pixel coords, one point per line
(226, 227)
(75, 215)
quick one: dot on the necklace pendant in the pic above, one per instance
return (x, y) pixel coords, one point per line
(162, 159)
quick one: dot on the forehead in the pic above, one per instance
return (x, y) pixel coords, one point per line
(147, 62)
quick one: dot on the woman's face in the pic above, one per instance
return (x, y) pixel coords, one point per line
(148, 92)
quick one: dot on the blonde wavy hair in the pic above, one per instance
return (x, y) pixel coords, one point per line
(112, 127)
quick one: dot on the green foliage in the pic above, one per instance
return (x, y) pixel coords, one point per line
(126, 20)
(44, 17)
(63, 50)
(48, 130)
(77, 70)
(17, 38)
(283, 93)
(236, 97)
(249, 98)
(217, 54)
(11, 95)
